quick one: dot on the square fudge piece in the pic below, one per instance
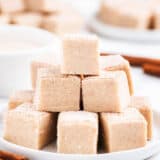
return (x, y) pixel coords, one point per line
(115, 63)
(144, 106)
(108, 92)
(123, 131)
(27, 127)
(137, 14)
(10, 6)
(28, 19)
(56, 93)
(66, 22)
(77, 132)
(35, 66)
(80, 55)
(20, 97)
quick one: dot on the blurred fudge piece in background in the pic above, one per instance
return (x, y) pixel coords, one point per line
(125, 13)
(53, 15)
(27, 18)
(45, 6)
(12, 6)
(20, 97)
(65, 22)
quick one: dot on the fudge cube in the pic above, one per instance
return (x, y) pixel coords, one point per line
(10, 6)
(20, 97)
(77, 132)
(35, 66)
(136, 15)
(45, 6)
(56, 93)
(43, 73)
(26, 127)
(144, 107)
(80, 55)
(115, 63)
(108, 92)
(123, 131)
(63, 23)
(28, 18)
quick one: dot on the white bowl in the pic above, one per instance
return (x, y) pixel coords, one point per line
(18, 46)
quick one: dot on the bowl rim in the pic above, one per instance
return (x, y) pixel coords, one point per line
(51, 37)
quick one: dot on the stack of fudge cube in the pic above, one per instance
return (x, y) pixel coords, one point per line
(84, 100)
(51, 15)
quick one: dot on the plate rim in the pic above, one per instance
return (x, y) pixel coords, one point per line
(123, 33)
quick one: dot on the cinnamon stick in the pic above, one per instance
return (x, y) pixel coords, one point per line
(11, 156)
(137, 61)
(151, 69)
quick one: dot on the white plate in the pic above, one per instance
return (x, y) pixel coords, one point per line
(49, 153)
(123, 33)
